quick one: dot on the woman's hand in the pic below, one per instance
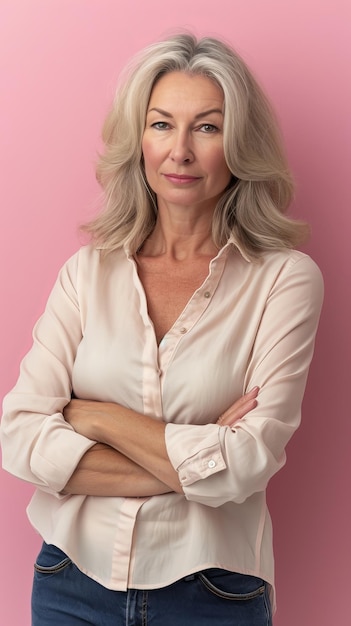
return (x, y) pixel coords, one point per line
(88, 417)
(85, 416)
(242, 406)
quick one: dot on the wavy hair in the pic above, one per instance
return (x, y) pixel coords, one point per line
(252, 209)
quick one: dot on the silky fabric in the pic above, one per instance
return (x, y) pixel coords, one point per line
(250, 323)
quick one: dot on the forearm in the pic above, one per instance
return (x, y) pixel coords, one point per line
(136, 436)
(104, 471)
(140, 441)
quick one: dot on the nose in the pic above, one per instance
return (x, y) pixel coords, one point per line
(181, 151)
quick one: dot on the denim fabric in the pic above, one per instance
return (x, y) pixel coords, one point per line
(64, 596)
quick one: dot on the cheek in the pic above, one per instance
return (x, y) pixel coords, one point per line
(219, 167)
(151, 164)
(150, 157)
(145, 150)
(214, 160)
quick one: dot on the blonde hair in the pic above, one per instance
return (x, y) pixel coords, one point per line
(252, 210)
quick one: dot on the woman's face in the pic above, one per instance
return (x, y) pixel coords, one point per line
(183, 142)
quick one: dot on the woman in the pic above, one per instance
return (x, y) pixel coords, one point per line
(167, 372)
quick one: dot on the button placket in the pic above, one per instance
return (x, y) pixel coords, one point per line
(194, 310)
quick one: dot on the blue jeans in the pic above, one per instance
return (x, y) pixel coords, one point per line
(64, 596)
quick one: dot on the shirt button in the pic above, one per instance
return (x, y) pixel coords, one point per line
(211, 464)
(207, 294)
(183, 330)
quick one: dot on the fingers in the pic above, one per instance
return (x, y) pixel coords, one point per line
(249, 395)
(240, 408)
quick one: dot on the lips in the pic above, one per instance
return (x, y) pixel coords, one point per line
(181, 178)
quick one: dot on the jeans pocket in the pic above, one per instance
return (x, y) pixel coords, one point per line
(231, 585)
(51, 560)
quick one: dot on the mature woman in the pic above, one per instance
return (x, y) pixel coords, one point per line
(167, 372)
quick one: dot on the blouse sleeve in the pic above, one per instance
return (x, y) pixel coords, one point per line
(220, 464)
(38, 445)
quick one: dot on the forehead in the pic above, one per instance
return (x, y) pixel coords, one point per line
(184, 86)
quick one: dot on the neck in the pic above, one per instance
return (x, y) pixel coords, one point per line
(181, 234)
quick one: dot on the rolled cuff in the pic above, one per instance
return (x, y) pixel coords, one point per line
(57, 453)
(194, 451)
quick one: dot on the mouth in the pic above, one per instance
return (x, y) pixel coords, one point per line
(181, 179)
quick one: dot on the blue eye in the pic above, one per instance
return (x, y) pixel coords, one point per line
(208, 128)
(160, 125)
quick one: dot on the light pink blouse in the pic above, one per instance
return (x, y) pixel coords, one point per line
(250, 323)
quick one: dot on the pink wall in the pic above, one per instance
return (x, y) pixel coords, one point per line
(60, 60)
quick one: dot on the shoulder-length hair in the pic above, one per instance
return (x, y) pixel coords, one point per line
(252, 209)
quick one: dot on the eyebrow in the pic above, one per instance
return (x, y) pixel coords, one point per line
(198, 116)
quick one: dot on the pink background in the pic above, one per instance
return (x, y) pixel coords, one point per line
(59, 63)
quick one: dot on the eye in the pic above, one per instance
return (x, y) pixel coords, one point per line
(160, 125)
(208, 128)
